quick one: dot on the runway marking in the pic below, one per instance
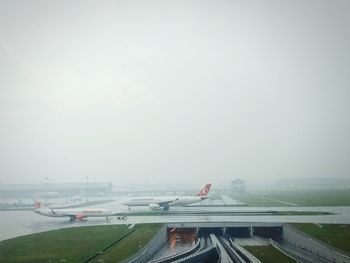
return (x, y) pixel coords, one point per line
(280, 201)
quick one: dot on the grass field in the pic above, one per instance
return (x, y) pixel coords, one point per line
(297, 197)
(335, 235)
(72, 244)
(268, 254)
(126, 247)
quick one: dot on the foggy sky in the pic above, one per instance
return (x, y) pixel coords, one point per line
(174, 91)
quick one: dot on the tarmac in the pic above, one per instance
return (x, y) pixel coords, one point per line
(19, 223)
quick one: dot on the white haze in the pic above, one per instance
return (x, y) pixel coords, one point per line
(174, 91)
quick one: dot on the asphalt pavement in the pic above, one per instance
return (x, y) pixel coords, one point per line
(19, 223)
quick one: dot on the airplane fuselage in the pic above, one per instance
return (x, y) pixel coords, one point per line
(164, 202)
(79, 213)
(170, 200)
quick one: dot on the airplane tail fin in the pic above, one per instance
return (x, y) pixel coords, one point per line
(204, 191)
(38, 205)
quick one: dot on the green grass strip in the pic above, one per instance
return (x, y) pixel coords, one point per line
(268, 254)
(109, 246)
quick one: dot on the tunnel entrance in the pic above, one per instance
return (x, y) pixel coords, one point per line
(238, 231)
(182, 234)
(206, 231)
(234, 230)
(268, 232)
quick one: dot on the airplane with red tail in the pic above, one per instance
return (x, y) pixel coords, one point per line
(165, 202)
(75, 213)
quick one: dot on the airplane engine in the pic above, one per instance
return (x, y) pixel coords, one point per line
(79, 217)
(154, 206)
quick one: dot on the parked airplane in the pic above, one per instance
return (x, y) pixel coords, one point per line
(164, 202)
(76, 213)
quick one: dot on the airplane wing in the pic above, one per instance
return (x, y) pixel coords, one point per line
(163, 204)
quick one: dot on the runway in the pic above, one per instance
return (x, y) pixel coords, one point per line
(19, 223)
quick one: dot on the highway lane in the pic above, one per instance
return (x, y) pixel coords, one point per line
(224, 256)
(18, 223)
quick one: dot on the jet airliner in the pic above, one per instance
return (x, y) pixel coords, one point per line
(164, 202)
(75, 213)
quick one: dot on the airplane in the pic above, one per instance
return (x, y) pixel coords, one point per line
(164, 202)
(76, 214)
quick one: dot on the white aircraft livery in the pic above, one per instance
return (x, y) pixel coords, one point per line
(164, 202)
(75, 213)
